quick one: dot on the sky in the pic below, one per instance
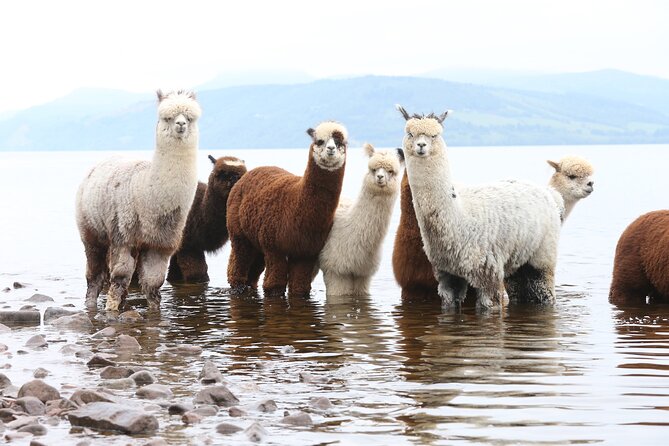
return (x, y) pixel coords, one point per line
(51, 48)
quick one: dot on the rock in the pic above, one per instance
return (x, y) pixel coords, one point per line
(256, 432)
(77, 321)
(287, 349)
(115, 372)
(52, 313)
(308, 378)
(21, 421)
(18, 285)
(28, 308)
(127, 343)
(82, 397)
(7, 415)
(98, 361)
(6, 290)
(267, 406)
(191, 418)
(83, 353)
(20, 318)
(154, 392)
(104, 333)
(114, 417)
(122, 383)
(11, 436)
(40, 373)
(4, 328)
(40, 390)
(298, 419)
(185, 350)
(31, 405)
(35, 429)
(56, 408)
(36, 443)
(210, 373)
(236, 412)
(206, 411)
(320, 403)
(10, 392)
(4, 381)
(227, 429)
(156, 442)
(39, 298)
(130, 316)
(178, 409)
(36, 341)
(70, 349)
(3, 348)
(143, 378)
(217, 395)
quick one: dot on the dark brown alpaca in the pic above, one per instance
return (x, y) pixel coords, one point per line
(206, 229)
(641, 264)
(413, 271)
(281, 221)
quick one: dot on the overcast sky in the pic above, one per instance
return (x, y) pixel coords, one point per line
(52, 47)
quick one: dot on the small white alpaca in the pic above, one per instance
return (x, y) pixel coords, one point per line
(352, 251)
(478, 235)
(572, 180)
(132, 211)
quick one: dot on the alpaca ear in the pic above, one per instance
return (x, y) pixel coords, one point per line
(554, 165)
(369, 149)
(160, 95)
(403, 112)
(191, 94)
(443, 116)
(311, 132)
(400, 154)
(212, 159)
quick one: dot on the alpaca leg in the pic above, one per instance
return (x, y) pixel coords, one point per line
(337, 284)
(193, 266)
(361, 285)
(276, 274)
(174, 273)
(629, 283)
(122, 266)
(452, 289)
(97, 272)
(300, 272)
(257, 267)
(152, 275)
(490, 296)
(242, 258)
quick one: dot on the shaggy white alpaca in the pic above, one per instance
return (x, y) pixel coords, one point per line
(134, 211)
(572, 180)
(352, 252)
(478, 235)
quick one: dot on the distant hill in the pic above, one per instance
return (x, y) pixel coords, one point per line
(276, 116)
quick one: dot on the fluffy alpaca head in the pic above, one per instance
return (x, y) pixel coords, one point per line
(572, 177)
(328, 147)
(226, 172)
(423, 133)
(178, 112)
(384, 171)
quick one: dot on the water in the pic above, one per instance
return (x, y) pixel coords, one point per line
(396, 372)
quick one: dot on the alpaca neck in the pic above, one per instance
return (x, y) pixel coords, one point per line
(431, 184)
(214, 211)
(320, 190)
(173, 156)
(372, 210)
(568, 207)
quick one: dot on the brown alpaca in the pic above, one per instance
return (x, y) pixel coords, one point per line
(641, 264)
(413, 271)
(281, 221)
(206, 229)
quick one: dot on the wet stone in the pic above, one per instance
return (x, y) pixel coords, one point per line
(119, 384)
(31, 405)
(21, 421)
(156, 442)
(98, 361)
(320, 403)
(298, 419)
(228, 429)
(35, 429)
(18, 285)
(36, 443)
(6, 290)
(4, 328)
(39, 389)
(85, 396)
(210, 373)
(217, 395)
(36, 341)
(52, 313)
(115, 372)
(107, 332)
(40, 373)
(256, 432)
(267, 406)
(10, 392)
(20, 318)
(236, 412)
(127, 343)
(191, 418)
(39, 298)
(28, 308)
(185, 350)
(130, 316)
(154, 392)
(143, 378)
(178, 409)
(15, 435)
(206, 411)
(77, 321)
(56, 408)
(4, 381)
(3, 348)
(7, 415)
(114, 417)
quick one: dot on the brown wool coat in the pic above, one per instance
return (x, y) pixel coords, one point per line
(641, 263)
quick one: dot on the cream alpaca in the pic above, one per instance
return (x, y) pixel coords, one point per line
(572, 180)
(134, 211)
(353, 249)
(478, 235)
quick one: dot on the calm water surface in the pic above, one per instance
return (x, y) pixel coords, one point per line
(396, 372)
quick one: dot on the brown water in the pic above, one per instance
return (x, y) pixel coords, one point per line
(396, 372)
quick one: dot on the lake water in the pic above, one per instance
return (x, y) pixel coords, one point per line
(582, 371)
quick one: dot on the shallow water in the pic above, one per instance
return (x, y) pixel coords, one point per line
(396, 372)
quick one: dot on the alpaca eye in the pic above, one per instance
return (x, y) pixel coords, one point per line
(320, 142)
(572, 177)
(409, 134)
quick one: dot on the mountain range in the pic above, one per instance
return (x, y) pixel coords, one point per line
(602, 107)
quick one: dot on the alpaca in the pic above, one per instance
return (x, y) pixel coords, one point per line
(131, 211)
(352, 252)
(641, 262)
(477, 235)
(572, 180)
(281, 221)
(206, 229)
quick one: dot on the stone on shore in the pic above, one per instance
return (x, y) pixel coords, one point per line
(77, 321)
(210, 373)
(40, 390)
(217, 395)
(39, 298)
(20, 318)
(102, 416)
(52, 313)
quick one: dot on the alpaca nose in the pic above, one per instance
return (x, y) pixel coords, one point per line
(331, 150)
(379, 177)
(591, 183)
(421, 144)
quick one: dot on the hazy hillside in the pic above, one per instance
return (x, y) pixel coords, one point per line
(277, 116)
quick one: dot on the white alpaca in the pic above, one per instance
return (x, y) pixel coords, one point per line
(478, 235)
(132, 211)
(352, 252)
(572, 180)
